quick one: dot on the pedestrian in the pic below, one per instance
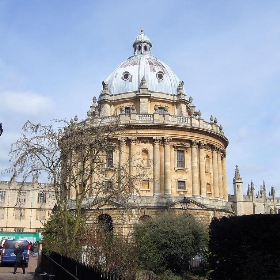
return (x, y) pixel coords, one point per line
(20, 258)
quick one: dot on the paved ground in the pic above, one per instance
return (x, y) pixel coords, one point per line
(6, 272)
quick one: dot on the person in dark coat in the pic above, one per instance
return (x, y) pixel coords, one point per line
(20, 260)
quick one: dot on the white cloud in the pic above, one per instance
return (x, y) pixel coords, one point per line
(25, 103)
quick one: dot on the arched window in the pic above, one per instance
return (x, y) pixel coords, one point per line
(207, 164)
(144, 218)
(105, 222)
(127, 110)
(145, 157)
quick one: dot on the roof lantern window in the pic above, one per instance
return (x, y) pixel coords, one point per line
(142, 44)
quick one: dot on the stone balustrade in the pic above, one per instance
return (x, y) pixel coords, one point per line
(166, 119)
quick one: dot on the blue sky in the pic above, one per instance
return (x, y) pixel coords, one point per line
(55, 54)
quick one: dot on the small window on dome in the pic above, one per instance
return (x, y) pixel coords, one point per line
(160, 75)
(139, 48)
(126, 76)
(145, 48)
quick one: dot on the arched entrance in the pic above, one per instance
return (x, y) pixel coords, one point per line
(105, 222)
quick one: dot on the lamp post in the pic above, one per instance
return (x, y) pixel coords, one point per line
(185, 202)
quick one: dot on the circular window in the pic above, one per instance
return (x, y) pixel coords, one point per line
(160, 75)
(126, 76)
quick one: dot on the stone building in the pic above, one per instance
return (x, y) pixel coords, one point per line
(183, 154)
(252, 202)
(24, 207)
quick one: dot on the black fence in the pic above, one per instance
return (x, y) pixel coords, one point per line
(197, 263)
(69, 269)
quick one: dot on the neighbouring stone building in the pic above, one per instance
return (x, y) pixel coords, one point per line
(184, 155)
(253, 202)
(24, 207)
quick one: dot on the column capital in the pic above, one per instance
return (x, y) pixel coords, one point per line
(223, 153)
(157, 140)
(194, 143)
(167, 140)
(133, 140)
(215, 149)
(202, 144)
(122, 140)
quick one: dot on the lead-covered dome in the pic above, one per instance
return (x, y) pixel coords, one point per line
(128, 75)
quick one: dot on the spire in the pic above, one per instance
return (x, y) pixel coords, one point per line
(237, 174)
(142, 44)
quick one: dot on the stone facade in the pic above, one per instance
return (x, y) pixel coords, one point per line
(24, 207)
(184, 155)
(253, 202)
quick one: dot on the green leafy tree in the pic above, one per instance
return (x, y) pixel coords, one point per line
(168, 241)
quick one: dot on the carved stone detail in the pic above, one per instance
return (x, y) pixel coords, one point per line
(167, 140)
(122, 141)
(194, 143)
(157, 140)
(133, 140)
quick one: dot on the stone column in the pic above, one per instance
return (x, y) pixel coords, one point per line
(122, 143)
(215, 172)
(195, 182)
(132, 155)
(225, 189)
(167, 177)
(220, 174)
(202, 170)
(156, 164)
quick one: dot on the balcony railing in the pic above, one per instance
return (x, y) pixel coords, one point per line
(151, 119)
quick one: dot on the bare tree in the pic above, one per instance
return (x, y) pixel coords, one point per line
(77, 160)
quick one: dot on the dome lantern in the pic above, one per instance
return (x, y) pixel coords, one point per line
(142, 44)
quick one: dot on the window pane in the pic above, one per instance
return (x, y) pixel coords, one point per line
(2, 195)
(19, 214)
(127, 110)
(161, 110)
(180, 159)
(181, 185)
(42, 197)
(110, 159)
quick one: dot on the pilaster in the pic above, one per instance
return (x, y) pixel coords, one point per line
(156, 164)
(167, 177)
(195, 183)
